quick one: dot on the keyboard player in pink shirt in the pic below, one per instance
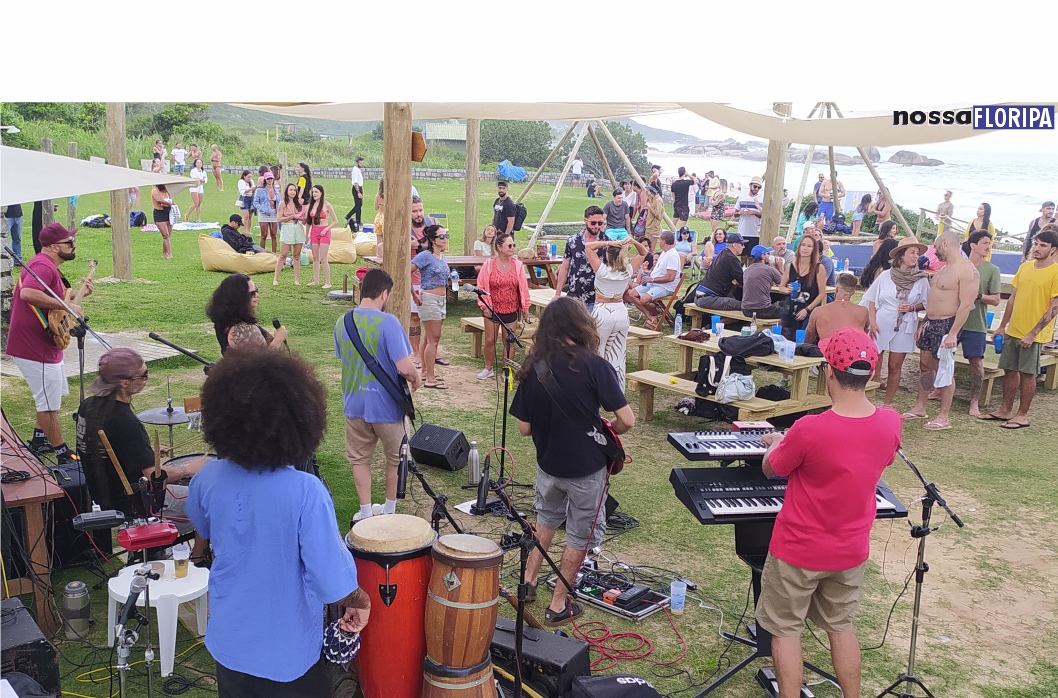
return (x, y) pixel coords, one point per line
(821, 539)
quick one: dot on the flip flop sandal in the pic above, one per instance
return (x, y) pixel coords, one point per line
(912, 415)
(437, 385)
(442, 362)
(992, 418)
(935, 426)
(1014, 425)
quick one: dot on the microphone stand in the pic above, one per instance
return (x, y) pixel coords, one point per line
(440, 511)
(509, 338)
(207, 364)
(931, 497)
(127, 638)
(79, 331)
(526, 543)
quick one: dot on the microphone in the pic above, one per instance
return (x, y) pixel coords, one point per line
(402, 468)
(474, 289)
(136, 587)
(277, 324)
(483, 486)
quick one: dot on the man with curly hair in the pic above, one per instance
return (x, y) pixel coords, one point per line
(279, 556)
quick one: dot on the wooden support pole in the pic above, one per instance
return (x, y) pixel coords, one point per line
(396, 128)
(47, 206)
(602, 158)
(547, 161)
(774, 175)
(791, 232)
(473, 179)
(628, 164)
(71, 208)
(834, 198)
(885, 190)
(558, 187)
(117, 155)
(282, 168)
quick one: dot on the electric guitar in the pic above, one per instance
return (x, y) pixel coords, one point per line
(61, 321)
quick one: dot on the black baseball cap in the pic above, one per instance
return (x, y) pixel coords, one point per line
(655, 167)
(501, 183)
(235, 218)
(735, 239)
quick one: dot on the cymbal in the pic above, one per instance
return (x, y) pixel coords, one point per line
(162, 416)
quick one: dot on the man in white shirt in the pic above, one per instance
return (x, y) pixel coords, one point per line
(578, 167)
(662, 282)
(179, 154)
(630, 196)
(353, 217)
(748, 210)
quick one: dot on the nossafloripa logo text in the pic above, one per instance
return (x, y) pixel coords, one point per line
(984, 117)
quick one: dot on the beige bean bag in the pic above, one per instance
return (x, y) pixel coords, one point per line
(218, 255)
(366, 244)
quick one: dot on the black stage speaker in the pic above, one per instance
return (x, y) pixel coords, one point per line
(549, 662)
(613, 686)
(440, 447)
(73, 546)
(23, 648)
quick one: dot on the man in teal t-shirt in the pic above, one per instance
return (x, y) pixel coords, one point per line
(975, 329)
(371, 414)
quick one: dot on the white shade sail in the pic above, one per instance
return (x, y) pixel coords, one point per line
(29, 175)
(524, 111)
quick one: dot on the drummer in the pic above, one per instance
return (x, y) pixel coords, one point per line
(122, 374)
(279, 556)
(233, 310)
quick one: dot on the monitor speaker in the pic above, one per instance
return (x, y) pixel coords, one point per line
(440, 447)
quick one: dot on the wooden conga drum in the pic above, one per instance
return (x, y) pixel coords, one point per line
(463, 600)
(446, 682)
(392, 554)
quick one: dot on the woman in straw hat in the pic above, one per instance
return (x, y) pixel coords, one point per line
(894, 301)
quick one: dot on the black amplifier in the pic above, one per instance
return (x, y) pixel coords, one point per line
(25, 649)
(549, 662)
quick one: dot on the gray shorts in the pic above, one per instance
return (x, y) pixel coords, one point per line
(575, 501)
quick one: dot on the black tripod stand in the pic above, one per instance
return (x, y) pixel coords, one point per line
(440, 511)
(931, 497)
(526, 543)
(509, 339)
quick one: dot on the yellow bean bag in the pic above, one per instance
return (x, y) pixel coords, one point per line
(366, 244)
(341, 250)
(218, 255)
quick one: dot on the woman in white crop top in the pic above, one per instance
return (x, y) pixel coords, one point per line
(613, 271)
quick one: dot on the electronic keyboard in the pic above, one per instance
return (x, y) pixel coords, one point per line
(719, 445)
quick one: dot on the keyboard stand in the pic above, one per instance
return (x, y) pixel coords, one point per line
(751, 546)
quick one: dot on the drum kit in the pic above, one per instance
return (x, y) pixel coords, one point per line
(434, 602)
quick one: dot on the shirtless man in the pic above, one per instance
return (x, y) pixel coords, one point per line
(826, 196)
(952, 294)
(831, 317)
(214, 159)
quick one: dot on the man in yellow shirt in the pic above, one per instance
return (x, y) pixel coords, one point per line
(1027, 325)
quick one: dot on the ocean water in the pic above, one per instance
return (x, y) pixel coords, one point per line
(1014, 184)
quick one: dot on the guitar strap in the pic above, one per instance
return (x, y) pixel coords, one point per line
(593, 427)
(384, 379)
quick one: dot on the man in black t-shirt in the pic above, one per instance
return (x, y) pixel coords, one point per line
(681, 209)
(722, 287)
(571, 467)
(504, 210)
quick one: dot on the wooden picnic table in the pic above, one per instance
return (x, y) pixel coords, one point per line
(698, 316)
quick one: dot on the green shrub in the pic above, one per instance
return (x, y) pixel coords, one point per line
(524, 143)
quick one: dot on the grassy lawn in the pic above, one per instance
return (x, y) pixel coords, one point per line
(988, 608)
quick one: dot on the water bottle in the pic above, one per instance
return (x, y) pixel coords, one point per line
(837, 265)
(845, 266)
(997, 343)
(455, 281)
(753, 325)
(678, 326)
(795, 288)
(76, 610)
(473, 465)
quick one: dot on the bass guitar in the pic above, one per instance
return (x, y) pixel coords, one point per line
(60, 320)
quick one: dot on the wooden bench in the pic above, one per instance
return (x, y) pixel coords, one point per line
(753, 409)
(994, 373)
(698, 316)
(637, 337)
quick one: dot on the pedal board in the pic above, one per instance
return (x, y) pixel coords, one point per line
(766, 679)
(619, 597)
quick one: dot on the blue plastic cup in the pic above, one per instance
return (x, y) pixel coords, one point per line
(989, 317)
(713, 320)
(997, 342)
(677, 597)
(776, 328)
(800, 334)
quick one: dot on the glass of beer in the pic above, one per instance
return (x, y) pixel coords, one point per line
(181, 557)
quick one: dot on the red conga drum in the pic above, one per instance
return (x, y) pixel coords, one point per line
(392, 554)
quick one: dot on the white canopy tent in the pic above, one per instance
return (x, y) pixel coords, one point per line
(29, 175)
(522, 111)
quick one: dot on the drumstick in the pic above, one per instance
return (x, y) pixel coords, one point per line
(157, 456)
(114, 460)
(513, 600)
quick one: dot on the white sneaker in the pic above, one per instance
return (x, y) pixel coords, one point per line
(358, 517)
(485, 374)
(376, 509)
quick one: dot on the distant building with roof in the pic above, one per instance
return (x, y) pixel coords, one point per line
(449, 134)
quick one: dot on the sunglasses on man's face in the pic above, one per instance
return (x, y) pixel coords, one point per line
(594, 223)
